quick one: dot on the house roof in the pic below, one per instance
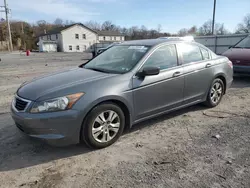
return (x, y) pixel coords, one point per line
(109, 33)
(100, 33)
(60, 29)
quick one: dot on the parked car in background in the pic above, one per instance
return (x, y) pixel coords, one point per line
(126, 84)
(239, 54)
(100, 50)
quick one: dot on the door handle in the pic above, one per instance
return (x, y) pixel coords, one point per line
(208, 65)
(176, 74)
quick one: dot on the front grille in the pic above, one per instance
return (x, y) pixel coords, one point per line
(20, 104)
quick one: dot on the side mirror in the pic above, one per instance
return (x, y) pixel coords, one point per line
(148, 71)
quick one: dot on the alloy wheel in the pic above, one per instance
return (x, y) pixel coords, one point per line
(106, 125)
(216, 92)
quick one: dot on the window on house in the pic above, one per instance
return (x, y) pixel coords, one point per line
(110, 38)
(114, 38)
(77, 36)
(77, 47)
(120, 38)
(85, 47)
(70, 48)
(56, 36)
(104, 38)
(84, 36)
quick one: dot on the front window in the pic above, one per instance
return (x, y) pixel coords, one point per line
(70, 48)
(245, 43)
(77, 36)
(164, 57)
(84, 36)
(77, 47)
(117, 59)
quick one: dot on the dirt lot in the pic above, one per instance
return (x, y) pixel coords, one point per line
(175, 150)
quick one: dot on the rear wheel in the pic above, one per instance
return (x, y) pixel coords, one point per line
(103, 125)
(215, 93)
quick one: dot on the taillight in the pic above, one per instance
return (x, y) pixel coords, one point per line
(230, 64)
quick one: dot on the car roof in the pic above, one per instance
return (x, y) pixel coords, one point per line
(151, 42)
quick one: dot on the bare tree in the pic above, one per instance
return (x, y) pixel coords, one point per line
(58, 22)
(245, 26)
(108, 26)
(221, 30)
(193, 30)
(183, 32)
(93, 25)
(206, 28)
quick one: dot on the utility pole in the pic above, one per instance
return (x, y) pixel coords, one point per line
(23, 39)
(213, 17)
(6, 10)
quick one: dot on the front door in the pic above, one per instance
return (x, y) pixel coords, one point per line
(154, 94)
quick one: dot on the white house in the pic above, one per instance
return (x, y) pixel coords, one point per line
(75, 38)
(110, 36)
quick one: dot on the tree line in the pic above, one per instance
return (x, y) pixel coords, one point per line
(25, 35)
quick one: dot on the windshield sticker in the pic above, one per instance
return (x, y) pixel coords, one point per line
(138, 48)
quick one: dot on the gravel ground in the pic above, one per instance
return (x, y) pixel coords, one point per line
(193, 147)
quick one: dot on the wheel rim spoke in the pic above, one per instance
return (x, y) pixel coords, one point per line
(112, 116)
(219, 90)
(114, 127)
(100, 119)
(97, 130)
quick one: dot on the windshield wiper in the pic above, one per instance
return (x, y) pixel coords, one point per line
(236, 47)
(98, 70)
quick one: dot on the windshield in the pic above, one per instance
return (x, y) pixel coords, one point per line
(245, 43)
(117, 59)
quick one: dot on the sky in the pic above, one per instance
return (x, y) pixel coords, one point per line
(171, 14)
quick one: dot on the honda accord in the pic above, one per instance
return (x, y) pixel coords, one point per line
(128, 83)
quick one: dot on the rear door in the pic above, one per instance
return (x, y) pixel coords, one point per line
(154, 94)
(197, 67)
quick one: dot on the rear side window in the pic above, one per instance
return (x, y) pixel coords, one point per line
(205, 54)
(164, 57)
(190, 53)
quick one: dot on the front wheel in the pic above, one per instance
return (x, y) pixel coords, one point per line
(215, 93)
(103, 125)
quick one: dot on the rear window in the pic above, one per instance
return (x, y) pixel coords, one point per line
(205, 54)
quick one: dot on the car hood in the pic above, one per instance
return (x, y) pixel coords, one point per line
(237, 54)
(40, 86)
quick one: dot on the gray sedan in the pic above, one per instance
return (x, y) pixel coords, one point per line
(128, 83)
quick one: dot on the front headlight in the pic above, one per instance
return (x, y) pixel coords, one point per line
(57, 104)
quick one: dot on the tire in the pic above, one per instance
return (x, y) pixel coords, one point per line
(214, 91)
(100, 128)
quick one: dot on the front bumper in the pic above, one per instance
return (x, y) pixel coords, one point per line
(241, 69)
(56, 128)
